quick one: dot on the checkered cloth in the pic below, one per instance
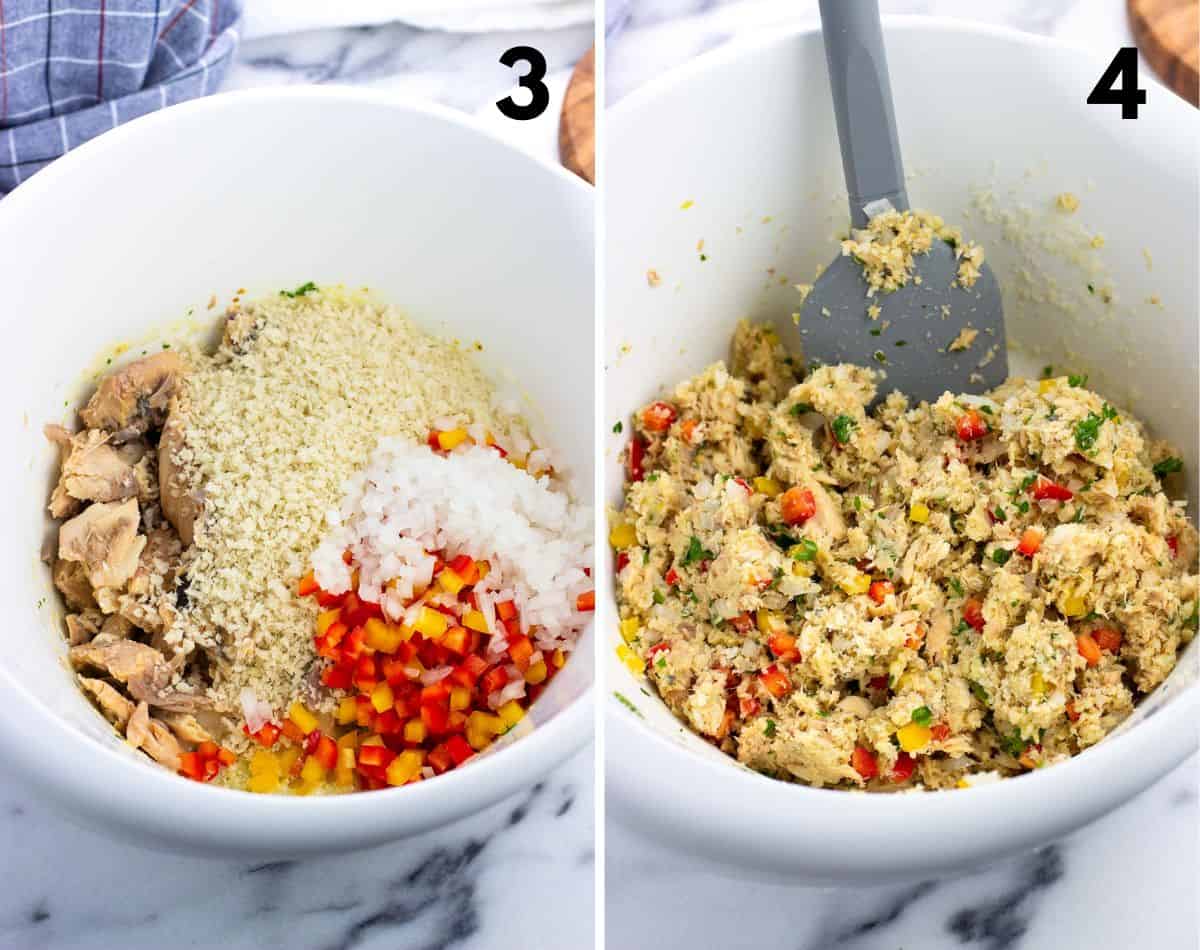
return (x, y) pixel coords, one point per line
(71, 69)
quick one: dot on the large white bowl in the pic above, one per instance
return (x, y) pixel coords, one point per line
(747, 135)
(262, 191)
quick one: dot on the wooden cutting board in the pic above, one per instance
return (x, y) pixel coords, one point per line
(1168, 34)
(577, 124)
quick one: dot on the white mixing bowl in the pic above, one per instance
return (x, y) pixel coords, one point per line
(263, 191)
(746, 134)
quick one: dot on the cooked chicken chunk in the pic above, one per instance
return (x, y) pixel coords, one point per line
(187, 727)
(105, 539)
(127, 661)
(70, 577)
(83, 626)
(152, 737)
(116, 708)
(134, 399)
(92, 470)
(179, 501)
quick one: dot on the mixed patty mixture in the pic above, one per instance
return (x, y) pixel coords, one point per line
(898, 596)
(323, 556)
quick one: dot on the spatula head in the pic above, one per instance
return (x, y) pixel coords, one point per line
(917, 339)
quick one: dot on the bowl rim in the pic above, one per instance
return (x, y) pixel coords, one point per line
(102, 784)
(1162, 741)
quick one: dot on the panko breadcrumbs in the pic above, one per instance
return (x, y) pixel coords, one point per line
(889, 596)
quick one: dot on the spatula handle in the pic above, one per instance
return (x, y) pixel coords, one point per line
(862, 103)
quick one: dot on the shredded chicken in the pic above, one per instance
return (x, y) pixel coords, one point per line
(134, 399)
(105, 539)
(154, 738)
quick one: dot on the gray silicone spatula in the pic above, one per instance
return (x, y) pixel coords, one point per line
(911, 338)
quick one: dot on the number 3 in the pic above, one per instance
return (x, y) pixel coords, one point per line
(1124, 66)
(532, 80)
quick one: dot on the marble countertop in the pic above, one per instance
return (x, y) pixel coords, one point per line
(1129, 880)
(468, 886)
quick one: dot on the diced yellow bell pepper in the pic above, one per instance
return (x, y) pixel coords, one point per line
(312, 772)
(918, 512)
(347, 711)
(858, 584)
(770, 621)
(559, 659)
(1045, 385)
(325, 620)
(382, 636)
(629, 628)
(451, 438)
(264, 762)
(414, 731)
(1037, 684)
(287, 758)
(536, 673)
(482, 567)
(767, 486)
(474, 620)
(913, 737)
(623, 535)
(632, 661)
(405, 767)
(431, 623)
(381, 698)
(510, 713)
(460, 698)
(262, 784)
(451, 582)
(305, 721)
(1074, 606)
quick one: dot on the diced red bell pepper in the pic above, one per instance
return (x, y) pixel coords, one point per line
(775, 681)
(365, 674)
(267, 735)
(749, 707)
(1107, 639)
(939, 732)
(520, 649)
(469, 670)
(326, 752)
(327, 600)
(307, 585)
(878, 682)
(622, 561)
(660, 647)
(971, 425)
(973, 613)
(506, 610)
(743, 623)
(1043, 489)
(1031, 541)
(879, 590)
(783, 646)
(311, 741)
(903, 769)
(492, 680)
(636, 462)
(1173, 544)
(436, 718)
(375, 756)
(863, 762)
(671, 577)
(191, 765)
(439, 759)
(292, 731)
(658, 416)
(457, 640)
(387, 723)
(798, 505)
(586, 601)
(466, 568)
(1089, 649)
(458, 749)
(745, 484)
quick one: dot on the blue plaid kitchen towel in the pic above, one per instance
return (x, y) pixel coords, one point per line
(71, 69)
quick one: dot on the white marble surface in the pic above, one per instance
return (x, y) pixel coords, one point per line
(518, 875)
(1129, 880)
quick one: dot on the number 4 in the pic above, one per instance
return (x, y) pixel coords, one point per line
(1124, 66)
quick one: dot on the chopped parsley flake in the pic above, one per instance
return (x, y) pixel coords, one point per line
(1088, 430)
(659, 598)
(922, 716)
(1077, 380)
(696, 552)
(801, 408)
(1001, 555)
(1167, 466)
(619, 427)
(842, 426)
(624, 701)
(299, 291)
(769, 729)
(805, 550)
(979, 692)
